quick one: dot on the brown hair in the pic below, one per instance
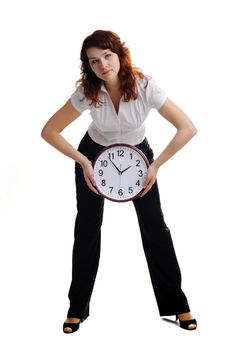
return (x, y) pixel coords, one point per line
(127, 74)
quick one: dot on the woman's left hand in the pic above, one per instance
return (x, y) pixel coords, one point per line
(151, 178)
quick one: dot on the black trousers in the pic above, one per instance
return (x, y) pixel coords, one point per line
(156, 239)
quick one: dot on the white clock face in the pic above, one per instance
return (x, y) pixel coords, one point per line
(120, 171)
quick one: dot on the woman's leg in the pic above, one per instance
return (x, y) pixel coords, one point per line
(160, 255)
(87, 238)
(159, 250)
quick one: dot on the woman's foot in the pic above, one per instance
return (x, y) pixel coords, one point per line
(72, 320)
(187, 316)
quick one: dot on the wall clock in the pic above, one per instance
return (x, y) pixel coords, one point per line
(120, 171)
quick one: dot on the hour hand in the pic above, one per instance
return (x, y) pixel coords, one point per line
(120, 172)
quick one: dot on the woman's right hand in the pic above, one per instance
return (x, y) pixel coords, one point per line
(88, 173)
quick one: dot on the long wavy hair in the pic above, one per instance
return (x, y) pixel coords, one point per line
(127, 75)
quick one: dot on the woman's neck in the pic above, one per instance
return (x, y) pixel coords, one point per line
(112, 85)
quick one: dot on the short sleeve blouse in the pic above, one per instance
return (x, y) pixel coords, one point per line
(126, 126)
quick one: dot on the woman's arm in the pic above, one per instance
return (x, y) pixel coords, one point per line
(51, 133)
(185, 131)
(55, 125)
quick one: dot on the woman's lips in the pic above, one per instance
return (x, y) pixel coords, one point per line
(104, 73)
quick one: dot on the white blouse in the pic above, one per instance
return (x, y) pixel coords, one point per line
(126, 126)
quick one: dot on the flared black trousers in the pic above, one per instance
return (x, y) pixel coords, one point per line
(156, 239)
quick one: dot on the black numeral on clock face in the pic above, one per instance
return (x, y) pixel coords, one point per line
(120, 153)
(120, 192)
(140, 173)
(138, 183)
(101, 172)
(138, 162)
(104, 163)
(111, 189)
(111, 156)
(130, 190)
(103, 183)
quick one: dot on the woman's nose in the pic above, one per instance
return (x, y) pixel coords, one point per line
(103, 64)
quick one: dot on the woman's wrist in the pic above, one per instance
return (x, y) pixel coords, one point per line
(156, 164)
(83, 161)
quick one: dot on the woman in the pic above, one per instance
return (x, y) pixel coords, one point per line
(119, 97)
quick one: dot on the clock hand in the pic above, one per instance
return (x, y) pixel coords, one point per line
(122, 171)
(119, 172)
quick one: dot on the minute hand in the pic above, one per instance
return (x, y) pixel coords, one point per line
(119, 172)
(122, 171)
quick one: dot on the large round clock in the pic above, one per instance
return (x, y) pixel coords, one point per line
(120, 171)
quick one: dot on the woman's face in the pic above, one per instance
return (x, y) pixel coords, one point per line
(104, 63)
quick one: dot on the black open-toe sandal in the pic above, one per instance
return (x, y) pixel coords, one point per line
(73, 326)
(185, 324)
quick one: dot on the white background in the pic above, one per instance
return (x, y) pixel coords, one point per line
(187, 47)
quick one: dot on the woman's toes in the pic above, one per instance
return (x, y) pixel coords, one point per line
(67, 330)
(70, 320)
(192, 326)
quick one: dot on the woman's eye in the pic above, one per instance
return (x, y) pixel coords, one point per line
(108, 55)
(93, 62)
